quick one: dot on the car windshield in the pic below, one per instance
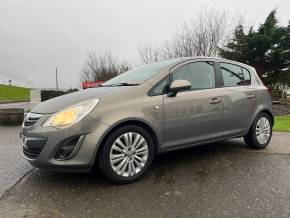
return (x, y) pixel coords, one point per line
(138, 75)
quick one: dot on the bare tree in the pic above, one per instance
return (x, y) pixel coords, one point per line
(149, 54)
(103, 67)
(201, 36)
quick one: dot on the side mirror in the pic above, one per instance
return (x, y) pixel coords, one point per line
(179, 85)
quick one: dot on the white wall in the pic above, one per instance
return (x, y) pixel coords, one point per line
(35, 96)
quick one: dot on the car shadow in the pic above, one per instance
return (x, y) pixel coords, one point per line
(162, 163)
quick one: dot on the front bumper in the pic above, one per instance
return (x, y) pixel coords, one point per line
(40, 145)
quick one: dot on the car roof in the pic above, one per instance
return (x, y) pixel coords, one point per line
(182, 59)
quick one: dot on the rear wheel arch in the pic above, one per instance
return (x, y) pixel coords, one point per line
(262, 110)
(268, 112)
(264, 131)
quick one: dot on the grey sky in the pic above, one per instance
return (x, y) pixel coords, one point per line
(38, 35)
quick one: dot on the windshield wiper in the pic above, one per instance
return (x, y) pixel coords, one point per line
(121, 84)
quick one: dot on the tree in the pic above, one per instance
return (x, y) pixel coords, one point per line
(149, 54)
(103, 67)
(266, 49)
(201, 36)
(237, 48)
(279, 77)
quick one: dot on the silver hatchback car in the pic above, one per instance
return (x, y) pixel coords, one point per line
(159, 107)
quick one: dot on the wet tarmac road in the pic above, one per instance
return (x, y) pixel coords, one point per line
(24, 105)
(218, 180)
(12, 165)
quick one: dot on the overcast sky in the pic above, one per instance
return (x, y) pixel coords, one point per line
(38, 35)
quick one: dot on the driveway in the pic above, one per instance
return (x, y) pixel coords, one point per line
(217, 180)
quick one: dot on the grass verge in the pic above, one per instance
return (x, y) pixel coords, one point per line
(282, 123)
(14, 93)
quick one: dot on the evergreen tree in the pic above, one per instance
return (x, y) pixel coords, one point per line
(266, 49)
(236, 49)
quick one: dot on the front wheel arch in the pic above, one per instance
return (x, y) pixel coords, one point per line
(144, 125)
(104, 164)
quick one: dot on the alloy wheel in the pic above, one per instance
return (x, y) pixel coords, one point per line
(129, 154)
(263, 130)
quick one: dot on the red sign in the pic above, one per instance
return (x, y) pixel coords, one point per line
(89, 84)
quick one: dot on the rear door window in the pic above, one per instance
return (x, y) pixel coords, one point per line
(234, 75)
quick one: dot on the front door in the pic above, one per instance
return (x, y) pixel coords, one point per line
(195, 115)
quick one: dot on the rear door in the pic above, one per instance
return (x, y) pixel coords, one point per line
(239, 97)
(194, 115)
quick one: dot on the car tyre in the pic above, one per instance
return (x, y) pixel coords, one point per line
(126, 154)
(259, 136)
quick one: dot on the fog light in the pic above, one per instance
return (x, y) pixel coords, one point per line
(69, 148)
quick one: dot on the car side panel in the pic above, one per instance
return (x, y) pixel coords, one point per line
(137, 106)
(239, 109)
(264, 102)
(189, 117)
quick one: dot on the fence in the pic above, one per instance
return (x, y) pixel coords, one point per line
(37, 95)
(285, 100)
(48, 94)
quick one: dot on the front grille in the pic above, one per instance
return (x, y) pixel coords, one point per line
(31, 119)
(31, 153)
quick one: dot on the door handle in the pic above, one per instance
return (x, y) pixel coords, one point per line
(250, 95)
(215, 101)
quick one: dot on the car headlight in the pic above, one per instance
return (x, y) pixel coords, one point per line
(71, 115)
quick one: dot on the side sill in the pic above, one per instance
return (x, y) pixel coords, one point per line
(183, 146)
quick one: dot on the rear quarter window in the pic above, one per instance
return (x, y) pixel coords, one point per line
(247, 76)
